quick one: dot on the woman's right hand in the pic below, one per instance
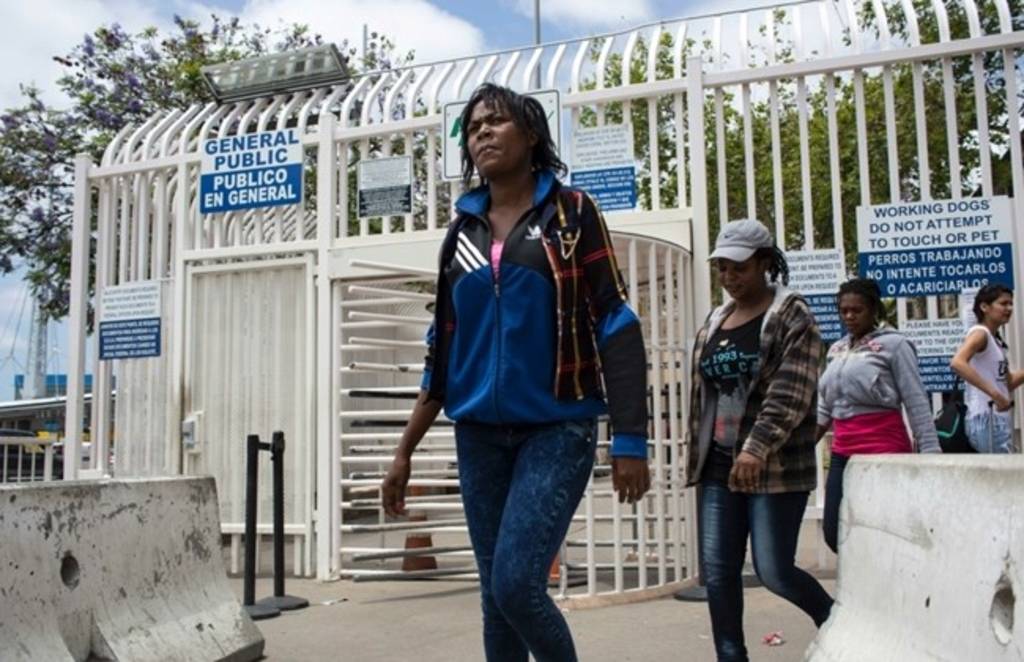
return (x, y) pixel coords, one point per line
(1001, 402)
(392, 489)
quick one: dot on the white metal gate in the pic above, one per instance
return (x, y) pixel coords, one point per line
(713, 102)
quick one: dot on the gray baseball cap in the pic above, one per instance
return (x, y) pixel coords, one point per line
(738, 240)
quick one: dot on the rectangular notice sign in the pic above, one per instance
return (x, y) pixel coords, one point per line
(936, 246)
(603, 165)
(385, 186)
(251, 171)
(130, 321)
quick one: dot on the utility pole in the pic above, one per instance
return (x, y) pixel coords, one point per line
(35, 380)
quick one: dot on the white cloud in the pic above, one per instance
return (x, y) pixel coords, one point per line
(417, 25)
(591, 13)
(31, 33)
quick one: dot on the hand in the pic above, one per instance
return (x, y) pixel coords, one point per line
(392, 489)
(1002, 402)
(631, 478)
(746, 472)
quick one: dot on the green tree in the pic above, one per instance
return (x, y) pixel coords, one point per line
(112, 79)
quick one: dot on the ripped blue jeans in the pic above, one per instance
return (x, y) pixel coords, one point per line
(520, 488)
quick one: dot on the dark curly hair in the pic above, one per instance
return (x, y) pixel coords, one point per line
(987, 294)
(527, 113)
(778, 268)
(868, 289)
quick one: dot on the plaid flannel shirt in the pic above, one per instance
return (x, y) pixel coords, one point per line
(779, 424)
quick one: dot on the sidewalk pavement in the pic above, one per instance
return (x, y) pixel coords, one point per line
(438, 621)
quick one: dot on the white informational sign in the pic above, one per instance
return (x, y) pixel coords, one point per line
(967, 307)
(817, 275)
(130, 321)
(937, 246)
(451, 146)
(250, 171)
(936, 342)
(604, 166)
(819, 271)
(385, 186)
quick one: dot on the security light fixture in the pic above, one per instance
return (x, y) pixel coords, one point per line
(274, 74)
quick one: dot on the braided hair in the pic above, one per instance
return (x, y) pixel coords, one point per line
(867, 289)
(778, 268)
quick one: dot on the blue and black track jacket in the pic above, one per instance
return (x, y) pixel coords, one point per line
(535, 345)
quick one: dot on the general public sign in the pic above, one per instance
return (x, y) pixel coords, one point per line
(817, 275)
(936, 341)
(130, 321)
(385, 186)
(451, 146)
(251, 171)
(604, 166)
(937, 246)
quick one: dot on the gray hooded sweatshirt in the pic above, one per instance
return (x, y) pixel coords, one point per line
(880, 374)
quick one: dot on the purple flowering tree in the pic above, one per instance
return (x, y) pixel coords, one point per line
(113, 78)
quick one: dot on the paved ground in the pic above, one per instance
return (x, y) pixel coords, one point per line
(439, 622)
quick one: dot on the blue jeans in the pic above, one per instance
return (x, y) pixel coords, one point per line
(833, 497)
(990, 433)
(520, 488)
(773, 523)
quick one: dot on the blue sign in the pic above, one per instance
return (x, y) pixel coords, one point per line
(826, 313)
(612, 188)
(936, 374)
(946, 270)
(932, 247)
(251, 171)
(130, 339)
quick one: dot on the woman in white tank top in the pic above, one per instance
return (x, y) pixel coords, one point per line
(983, 364)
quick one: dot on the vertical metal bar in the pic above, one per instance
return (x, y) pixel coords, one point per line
(588, 504)
(833, 165)
(674, 356)
(252, 443)
(80, 250)
(805, 164)
(658, 429)
(327, 505)
(723, 184)
(698, 186)
(777, 192)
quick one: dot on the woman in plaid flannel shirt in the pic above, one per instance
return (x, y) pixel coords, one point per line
(752, 432)
(532, 340)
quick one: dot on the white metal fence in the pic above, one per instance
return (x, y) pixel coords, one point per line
(765, 113)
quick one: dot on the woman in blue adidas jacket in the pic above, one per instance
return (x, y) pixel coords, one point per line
(532, 340)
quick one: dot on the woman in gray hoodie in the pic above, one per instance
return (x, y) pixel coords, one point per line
(871, 376)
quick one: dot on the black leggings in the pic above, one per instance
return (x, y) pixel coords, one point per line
(833, 497)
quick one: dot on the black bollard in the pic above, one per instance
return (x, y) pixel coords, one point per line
(279, 600)
(253, 445)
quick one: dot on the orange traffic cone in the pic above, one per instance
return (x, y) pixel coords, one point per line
(555, 573)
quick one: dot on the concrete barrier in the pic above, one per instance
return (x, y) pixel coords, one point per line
(930, 562)
(117, 570)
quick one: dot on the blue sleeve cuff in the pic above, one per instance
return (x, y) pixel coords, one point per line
(425, 382)
(614, 322)
(629, 445)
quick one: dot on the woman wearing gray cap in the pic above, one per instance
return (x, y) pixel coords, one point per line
(753, 410)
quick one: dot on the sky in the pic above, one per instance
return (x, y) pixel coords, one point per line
(31, 33)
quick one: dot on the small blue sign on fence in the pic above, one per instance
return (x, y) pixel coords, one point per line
(826, 313)
(251, 171)
(612, 188)
(936, 374)
(130, 339)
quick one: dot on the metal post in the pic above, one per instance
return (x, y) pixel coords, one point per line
(255, 611)
(279, 600)
(536, 40)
